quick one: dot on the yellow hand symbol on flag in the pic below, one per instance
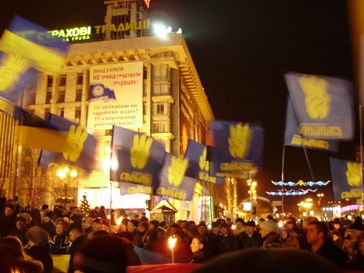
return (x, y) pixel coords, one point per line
(139, 153)
(11, 68)
(353, 174)
(204, 164)
(75, 140)
(239, 140)
(177, 170)
(317, 99)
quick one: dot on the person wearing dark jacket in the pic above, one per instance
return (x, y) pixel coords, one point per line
(38, 247)
(77, 239)
(317, 237)
(60, 242)
(199, 254)
(227, 241)
(7, 220)
(249, 238)
(270, 238)
(20, 230)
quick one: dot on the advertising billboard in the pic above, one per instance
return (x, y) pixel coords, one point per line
(116, 96)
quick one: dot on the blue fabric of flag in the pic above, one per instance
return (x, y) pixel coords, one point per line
(140, 158)
(346, 181)
(293, 138)
(173, 182)
(323, 106)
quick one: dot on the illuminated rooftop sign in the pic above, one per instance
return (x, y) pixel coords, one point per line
(72, 34)
(123, 27)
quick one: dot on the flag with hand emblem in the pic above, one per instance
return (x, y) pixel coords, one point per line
(139, 158)
(346, 179)
(237, 147)
(25, 49)
(173, 182)
(199, 166)
(323, 106)
(78, 149)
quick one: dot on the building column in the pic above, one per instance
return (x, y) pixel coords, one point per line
(85, 88)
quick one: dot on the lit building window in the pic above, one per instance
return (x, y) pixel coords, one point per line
(48, 96)
(160, 127)
(79, 94)
(49, 81)
(61, 112)
(79, 78)
(62, 80)
(61, 96)
(78, 113)
(160, 109)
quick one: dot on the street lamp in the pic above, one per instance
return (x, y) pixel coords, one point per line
(252, 193)
(66, 175)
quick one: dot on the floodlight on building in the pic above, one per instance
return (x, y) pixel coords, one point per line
(161, 30)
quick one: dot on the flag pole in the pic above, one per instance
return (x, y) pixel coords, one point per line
(308, 163)
(361, 153)
(282, 173)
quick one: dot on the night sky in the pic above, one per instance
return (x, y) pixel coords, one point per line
(241, 50)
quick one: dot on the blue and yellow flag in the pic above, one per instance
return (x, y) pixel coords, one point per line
(173, 182)
(140, 158)
(199, 167)
(346, 180)
(131, 188)
(27, 47)
(237, 147)
(293, 138)
(76, 146)
(323, 106)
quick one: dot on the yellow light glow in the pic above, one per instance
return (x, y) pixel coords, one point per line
(66, 170)
(73, 173)
(254, 184)
(172, 242)
(118, 222)
(60, 174)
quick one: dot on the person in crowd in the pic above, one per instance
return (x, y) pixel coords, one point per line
(151, 238)
(268, 260)
(336, 224)
(358, 263)
(268, 231)
(131, 230)
(102, 254)
(75, 216)
(87, 225)
(199, 253)
(249, 238)
(227, 242)
(102, 215)
(48, 225)
(20, 230)
(7, 220)
(13, 257)
(77, 239)
(288, 239)
(317, 238)
(44, 210)
(38, 247)
(239, 227)
(140, 233)
(60, 242)
(358, 224)
(209, 241)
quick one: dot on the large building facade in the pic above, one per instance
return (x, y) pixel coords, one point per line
(175, 107)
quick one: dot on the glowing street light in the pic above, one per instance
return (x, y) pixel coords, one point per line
(66, 174)
(171, 244)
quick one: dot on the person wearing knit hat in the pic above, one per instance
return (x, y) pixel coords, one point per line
(270, 238)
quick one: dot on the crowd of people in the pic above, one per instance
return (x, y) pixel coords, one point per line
(30, 237)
